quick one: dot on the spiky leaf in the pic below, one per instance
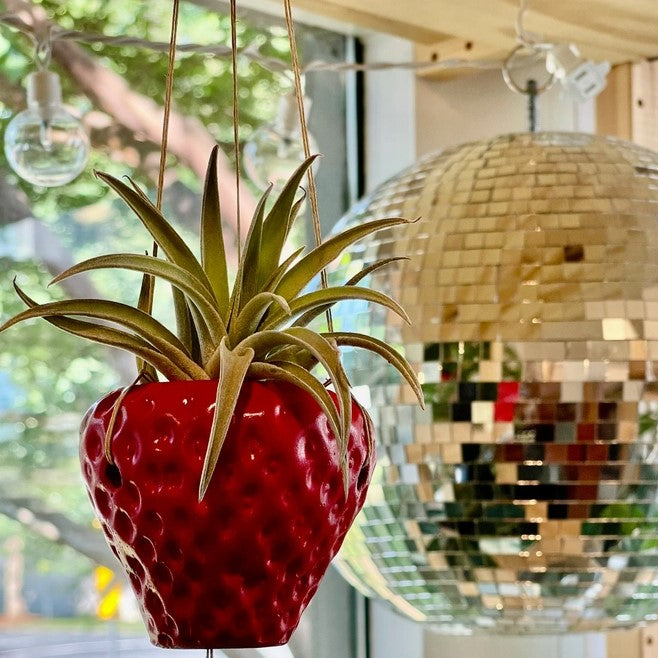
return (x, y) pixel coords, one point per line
(213, 255)
(233, 370)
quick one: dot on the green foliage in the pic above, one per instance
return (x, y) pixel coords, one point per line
(49, 379)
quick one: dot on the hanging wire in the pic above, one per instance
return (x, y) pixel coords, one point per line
(251, 52)
(43, 49)
(167, 103)
(169, 87)
(236, 117)
(313, 193)
(525, 38)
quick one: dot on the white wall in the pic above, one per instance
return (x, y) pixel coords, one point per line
(390, 100)
(480, 106)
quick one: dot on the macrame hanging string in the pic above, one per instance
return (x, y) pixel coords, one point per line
(167, 104)
(302, 117)
(148, 280)
(236, 120)
(299, 94)
(169, 87)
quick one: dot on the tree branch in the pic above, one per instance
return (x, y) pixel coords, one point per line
(35, 515)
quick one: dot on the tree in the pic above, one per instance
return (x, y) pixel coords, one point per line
(47, 379)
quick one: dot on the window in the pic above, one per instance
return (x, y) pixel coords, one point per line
(49, 542)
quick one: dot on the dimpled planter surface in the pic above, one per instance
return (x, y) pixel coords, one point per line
(238, 568)
(523, 499)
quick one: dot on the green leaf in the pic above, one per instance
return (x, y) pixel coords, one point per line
(171, 272)
(385, 351)
(273, 281)
(138, 189)
(291, 372)
(250, 316)
(294, 354)
(116, 407)
(330, 359)
(183, 321)
(122, 340)
(159, 228)
(246, 282)
(330, 296)
(308, 317)
(131, 318)
(145, 303)
(369, 269)
(300, 274)
(278, 222)
(234, 366)
(213, 255)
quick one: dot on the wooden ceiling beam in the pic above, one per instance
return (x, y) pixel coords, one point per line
(616, 30)
(449, 50)
(379, 21)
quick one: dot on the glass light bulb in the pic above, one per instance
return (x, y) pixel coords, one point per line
(270, 157)
(276, 149)
(45, 145)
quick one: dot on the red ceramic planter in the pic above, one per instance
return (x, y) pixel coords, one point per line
(238, 568)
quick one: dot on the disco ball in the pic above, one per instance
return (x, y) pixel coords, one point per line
(523, 499)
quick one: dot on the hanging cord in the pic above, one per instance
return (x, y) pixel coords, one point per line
(151, 285)
(313, 193)
(169, 87)
(251, 52)
(43, 49)
(528, 39)
(236, 117)
(167, 103)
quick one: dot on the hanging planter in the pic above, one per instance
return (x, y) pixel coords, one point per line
(226, 476)
(226, 491)
(238, 567)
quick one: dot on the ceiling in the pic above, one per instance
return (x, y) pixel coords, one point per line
(614, 30)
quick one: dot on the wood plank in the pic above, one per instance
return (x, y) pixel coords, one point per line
(616, 30)
(644, 104)
(450, 50)
(597, 25)
(367, 15)
(624, 644)
(613, 104)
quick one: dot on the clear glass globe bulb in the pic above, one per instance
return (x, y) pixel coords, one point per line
(276, 149)
(47, 153)
(45, 145)
(271, 157)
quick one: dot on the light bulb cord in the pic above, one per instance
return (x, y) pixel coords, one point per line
(42, 37)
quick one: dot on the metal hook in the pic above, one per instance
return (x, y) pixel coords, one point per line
(507, 75)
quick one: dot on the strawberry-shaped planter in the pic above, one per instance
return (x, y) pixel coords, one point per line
(226, 490)
(238, 567)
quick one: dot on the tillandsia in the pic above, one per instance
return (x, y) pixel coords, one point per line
(258, 328)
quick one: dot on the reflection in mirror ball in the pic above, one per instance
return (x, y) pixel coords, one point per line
(523, 499)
